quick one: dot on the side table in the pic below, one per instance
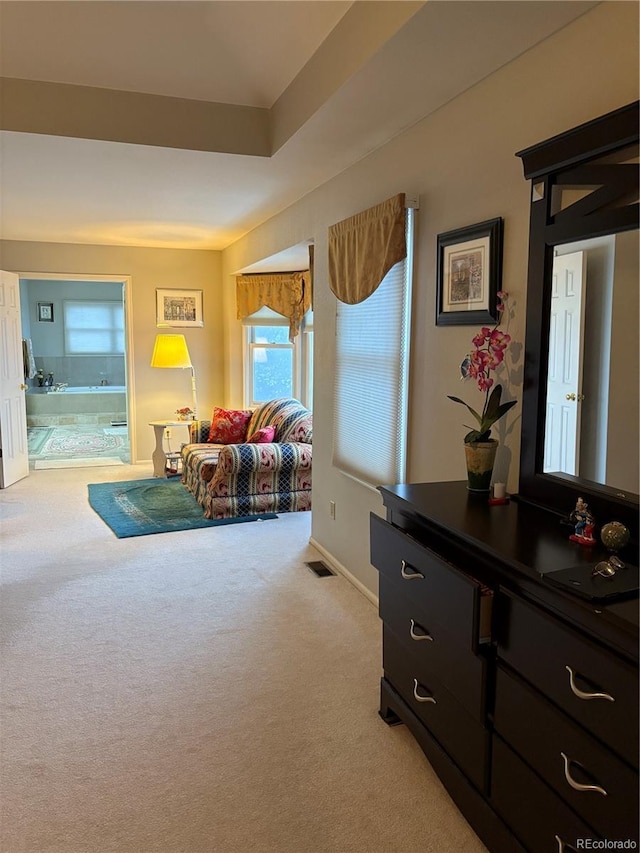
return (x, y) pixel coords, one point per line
(158, 456)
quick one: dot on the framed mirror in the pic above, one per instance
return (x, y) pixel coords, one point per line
(580, 395)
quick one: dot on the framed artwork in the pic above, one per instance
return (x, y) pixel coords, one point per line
(469, 273)
(45, 312)
(179, 308)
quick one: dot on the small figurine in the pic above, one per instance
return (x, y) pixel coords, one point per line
(584, 523)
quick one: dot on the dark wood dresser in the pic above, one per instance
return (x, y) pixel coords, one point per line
(522, 694)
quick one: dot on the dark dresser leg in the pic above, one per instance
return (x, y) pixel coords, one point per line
(386, 712)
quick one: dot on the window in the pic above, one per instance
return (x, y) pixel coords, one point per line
(275, 367)
(93, 328)
(371, 381)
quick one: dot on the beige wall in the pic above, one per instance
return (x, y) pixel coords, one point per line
(461, 160)
(157, 392)
(624, 403)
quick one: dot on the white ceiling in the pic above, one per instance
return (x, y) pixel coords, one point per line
(256, 54)
(244, 52)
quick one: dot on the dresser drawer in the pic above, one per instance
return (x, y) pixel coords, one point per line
(540, 819)
(563, 663)
(562, 753)
(446, 596)
(461, 671)
(455, 729)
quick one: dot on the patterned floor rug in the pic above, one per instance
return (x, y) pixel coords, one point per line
(37, 438)
(76, 442)
(79, 446)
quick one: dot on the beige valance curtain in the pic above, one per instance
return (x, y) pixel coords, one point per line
(289, 294)
(363, 248)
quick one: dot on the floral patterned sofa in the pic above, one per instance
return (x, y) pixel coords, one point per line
(269, 473)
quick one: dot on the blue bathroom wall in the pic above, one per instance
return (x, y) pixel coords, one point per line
(48, 337)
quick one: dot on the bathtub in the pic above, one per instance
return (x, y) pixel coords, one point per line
(79, 404)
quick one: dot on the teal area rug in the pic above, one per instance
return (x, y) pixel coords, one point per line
(141, 507)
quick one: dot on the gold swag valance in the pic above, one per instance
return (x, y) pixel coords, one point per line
(289, 294)
(363, 248)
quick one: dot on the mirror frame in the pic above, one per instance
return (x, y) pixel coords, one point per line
(564, 159)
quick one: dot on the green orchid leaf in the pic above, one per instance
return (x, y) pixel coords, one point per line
(462, 402)
(475, 435)
(504, 408)
(493, 403)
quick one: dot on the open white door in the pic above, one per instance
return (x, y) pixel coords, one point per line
(564, 377)
(14, 454)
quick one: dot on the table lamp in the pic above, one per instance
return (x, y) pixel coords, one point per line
(172, 351)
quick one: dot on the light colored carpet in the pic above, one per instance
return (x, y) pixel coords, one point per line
(197, 692)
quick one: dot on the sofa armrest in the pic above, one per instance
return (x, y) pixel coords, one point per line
(199, 432)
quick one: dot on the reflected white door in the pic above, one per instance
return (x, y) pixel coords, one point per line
(14, 458)
(564, 378)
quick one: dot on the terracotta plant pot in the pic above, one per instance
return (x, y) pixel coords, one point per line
(481, 457)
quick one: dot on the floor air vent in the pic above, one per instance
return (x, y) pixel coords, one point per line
(320, 569)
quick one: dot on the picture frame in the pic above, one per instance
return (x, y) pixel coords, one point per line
(179, 308)
(469, 274)
(45, 312)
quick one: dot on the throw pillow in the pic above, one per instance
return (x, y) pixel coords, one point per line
(229, 426)
(262, 436)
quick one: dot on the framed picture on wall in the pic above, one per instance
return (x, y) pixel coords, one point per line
(45, 312)
(469, 272)
(179, 308)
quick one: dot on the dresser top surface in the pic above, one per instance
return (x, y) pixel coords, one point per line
(525, 541)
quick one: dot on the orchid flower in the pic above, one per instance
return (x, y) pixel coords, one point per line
(488, 355)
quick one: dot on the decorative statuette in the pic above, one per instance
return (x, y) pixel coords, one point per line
(614, 537)
(583, 522)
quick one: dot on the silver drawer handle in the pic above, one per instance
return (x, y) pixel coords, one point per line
(414, 636)
(409, 576)
(580, 693)
(418, 697)
(576, 785)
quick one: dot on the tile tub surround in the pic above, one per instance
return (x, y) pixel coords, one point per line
(89, 370)
(81, 405)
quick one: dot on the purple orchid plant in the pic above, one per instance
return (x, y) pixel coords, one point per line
(488, 355)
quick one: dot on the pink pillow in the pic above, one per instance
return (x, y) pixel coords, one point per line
(229, 426)
(262, 436)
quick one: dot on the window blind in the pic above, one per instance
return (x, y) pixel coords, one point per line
(371, 379)
(93, 328)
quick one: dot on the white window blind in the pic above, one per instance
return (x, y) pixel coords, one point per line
(93, 328)
(371, 381)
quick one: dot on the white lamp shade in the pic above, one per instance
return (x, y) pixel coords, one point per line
(170, 351)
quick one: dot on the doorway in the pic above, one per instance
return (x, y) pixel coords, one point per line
(78, 339)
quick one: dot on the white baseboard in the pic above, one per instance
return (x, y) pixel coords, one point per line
(334, 564)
